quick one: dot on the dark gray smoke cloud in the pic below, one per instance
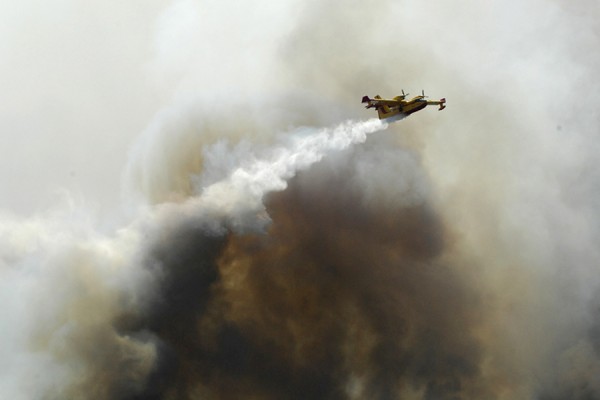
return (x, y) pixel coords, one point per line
(452, 255)
(341, 298)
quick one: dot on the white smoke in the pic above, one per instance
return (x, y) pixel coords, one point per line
(245, 187)
(71, 282)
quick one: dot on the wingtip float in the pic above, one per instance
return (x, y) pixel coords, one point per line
(399, 106)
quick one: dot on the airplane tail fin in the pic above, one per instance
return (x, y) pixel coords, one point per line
(367, 100)
(442, 104)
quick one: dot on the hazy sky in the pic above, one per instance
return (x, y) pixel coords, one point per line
(76, 90)
(81, 82)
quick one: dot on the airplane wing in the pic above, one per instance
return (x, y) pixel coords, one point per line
(385, 102)
(380, 102)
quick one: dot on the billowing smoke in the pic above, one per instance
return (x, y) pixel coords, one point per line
(274, 242)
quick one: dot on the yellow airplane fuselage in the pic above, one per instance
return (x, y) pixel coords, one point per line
(405, 108)
(397, 107)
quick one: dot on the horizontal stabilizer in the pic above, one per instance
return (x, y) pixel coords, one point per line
(442, 104)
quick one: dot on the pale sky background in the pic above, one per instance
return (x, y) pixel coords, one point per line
(79, 82)
(75, 93)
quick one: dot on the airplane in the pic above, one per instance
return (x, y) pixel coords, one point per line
(398, 107)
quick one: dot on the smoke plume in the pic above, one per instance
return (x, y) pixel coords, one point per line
(271, 240)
